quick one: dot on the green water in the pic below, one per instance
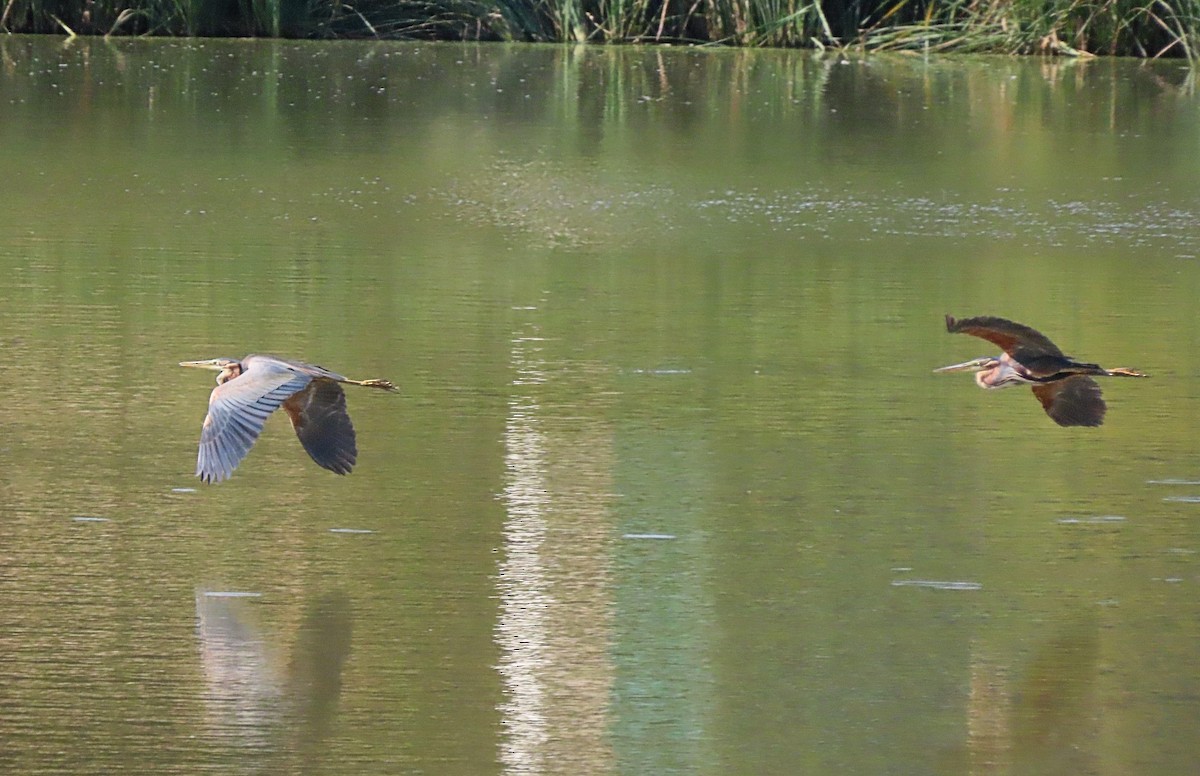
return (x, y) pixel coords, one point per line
(670, 487)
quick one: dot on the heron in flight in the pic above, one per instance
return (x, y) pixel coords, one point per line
(1063, 385)
(250, 389)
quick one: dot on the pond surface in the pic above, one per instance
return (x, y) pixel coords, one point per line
(670, 487)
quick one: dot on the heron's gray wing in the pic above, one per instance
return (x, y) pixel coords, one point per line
(300, 367)
(236, 413)
(1075, 401)
(323, 425)
(1019, 341)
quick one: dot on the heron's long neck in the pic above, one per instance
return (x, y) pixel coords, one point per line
(228, 373)
(1005, 374)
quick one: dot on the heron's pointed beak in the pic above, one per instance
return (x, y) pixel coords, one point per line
(212, 363)
(974, 365)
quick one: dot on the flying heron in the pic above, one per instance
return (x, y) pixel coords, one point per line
(1063, 385)
(250, 389)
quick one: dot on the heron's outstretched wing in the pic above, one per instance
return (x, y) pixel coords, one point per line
(236, 412)
(323, 425)
(1019, 341)
(1075, 401)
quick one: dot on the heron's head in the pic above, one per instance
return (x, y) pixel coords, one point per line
(974, 365)
(228, 367)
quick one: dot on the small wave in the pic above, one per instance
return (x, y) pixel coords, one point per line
(937, 584)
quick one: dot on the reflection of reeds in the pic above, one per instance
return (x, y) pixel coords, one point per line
(1065, 27)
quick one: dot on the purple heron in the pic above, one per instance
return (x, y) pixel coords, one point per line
(1063, 385)
(250, 389)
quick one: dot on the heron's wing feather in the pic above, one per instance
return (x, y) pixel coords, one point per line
(1075, 401)
(1019, 341)
(237, 411)
(323, 425)
(299, 367)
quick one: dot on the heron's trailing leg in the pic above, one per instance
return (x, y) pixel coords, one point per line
(375, 383)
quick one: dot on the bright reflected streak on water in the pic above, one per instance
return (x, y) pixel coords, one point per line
(556, 582)
(936, 584)
(523, 595)
(1097, 520)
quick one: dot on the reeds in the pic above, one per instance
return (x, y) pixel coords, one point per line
(1146, 28)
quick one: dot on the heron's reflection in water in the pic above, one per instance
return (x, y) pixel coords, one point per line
(260, 695)
(243, 687)
(1042, 717)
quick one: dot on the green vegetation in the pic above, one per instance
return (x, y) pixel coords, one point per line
(1145, 28)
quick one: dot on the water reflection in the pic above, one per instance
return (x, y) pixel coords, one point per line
(1041, 718)
(259, 695)
(242, 677)
(524, 595)
(314, 675)
(555, 580)
(754, 248)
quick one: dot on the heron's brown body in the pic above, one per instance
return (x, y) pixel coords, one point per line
(250, 389)
(1063, 385)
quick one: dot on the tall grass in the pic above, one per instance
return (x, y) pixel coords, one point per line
(1146, 28)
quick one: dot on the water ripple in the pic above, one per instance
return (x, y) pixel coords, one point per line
(937, 584)
(1097, 520)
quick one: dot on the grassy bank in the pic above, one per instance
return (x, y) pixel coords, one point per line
(1144, 28)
